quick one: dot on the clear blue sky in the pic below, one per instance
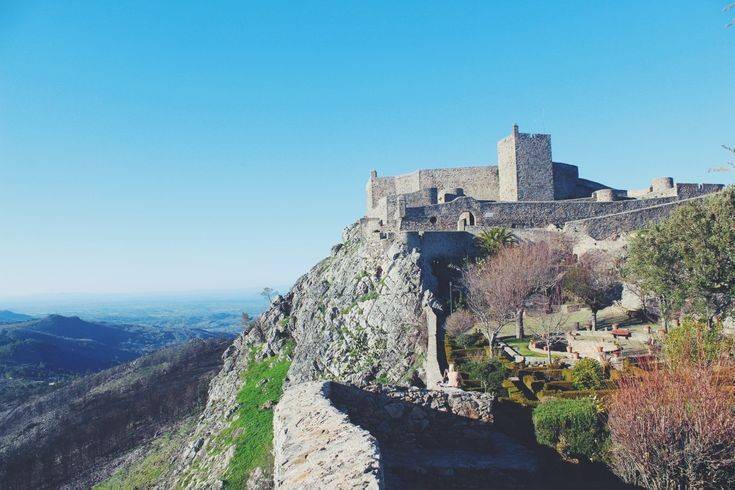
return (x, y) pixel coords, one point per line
(223, 145)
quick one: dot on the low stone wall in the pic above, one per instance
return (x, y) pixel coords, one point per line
(449, 418)
(332, 435)
(316, 445)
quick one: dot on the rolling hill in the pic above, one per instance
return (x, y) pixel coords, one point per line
(75, 437)
(7, 316)
(36, 355)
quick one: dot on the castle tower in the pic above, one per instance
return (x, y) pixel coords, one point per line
(524, 167)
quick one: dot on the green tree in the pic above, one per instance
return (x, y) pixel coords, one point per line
(703, 235)
(493, 239)
(692, 343)
(490, 374)
(653, 265)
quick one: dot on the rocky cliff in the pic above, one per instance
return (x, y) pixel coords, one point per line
(357, 316)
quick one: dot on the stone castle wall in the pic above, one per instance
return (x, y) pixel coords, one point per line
(526, 190)
(612, 225)
(516, 214)
(479, 182)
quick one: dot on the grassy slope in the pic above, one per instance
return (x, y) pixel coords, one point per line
(146, 472)
(252, 429)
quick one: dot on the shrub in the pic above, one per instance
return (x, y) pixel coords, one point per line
(575, 428)
(515, 394)
(559, 386)
(490, 374)
(493, 239)
(675, 428)
(459, 322)
(587, 375)
(694, 342)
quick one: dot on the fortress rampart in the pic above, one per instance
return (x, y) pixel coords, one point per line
(525, 190)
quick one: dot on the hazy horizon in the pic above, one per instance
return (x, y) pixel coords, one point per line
(156, 146)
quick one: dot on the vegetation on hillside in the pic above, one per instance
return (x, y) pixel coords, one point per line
(38, 355)
(158, 459)
(252, 428)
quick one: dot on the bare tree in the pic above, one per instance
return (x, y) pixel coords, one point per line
(550, 329)
(545, 266)
(460, 321)
(498, 288)
(595, 281)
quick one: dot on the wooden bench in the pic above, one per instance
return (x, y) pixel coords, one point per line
(620, 332)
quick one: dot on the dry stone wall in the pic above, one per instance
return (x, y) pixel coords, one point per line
(327, 434)
(317, 446)
(411, 416)
(334, 435)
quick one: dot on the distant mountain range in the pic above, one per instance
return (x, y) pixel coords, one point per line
(7, 316)
(38, 353)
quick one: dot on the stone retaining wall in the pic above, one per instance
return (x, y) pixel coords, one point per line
(449, 418)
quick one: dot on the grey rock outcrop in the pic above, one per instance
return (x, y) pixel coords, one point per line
(356, 316)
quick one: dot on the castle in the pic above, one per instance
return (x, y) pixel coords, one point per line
(526, 189)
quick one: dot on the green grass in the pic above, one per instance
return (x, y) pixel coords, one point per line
(367, 297)
(251, 431)
(521, 346)
(146, 472)
(613, 314)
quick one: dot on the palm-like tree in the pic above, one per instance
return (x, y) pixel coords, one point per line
(493, 239)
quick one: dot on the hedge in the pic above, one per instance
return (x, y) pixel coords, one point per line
(575, 428)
